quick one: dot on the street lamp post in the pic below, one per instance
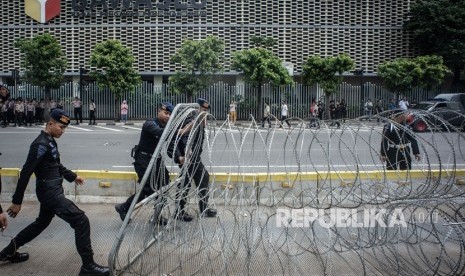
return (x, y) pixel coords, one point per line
(82, 73)
(359, 72)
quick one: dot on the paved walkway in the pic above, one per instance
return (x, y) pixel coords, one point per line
(54, 252)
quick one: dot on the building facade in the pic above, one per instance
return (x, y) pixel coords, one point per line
(370, 31)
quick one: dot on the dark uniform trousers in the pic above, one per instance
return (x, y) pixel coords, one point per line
(141, 163)
(396, 145)
(197, 172)
(398, 158)
(78, 114)
(53, 202)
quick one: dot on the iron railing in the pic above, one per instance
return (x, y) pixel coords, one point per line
(145, 97)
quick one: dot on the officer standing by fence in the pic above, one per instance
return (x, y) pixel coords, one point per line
(151, 133)
(190, 155)
(44, 161)
(397, 143)
(77, 105)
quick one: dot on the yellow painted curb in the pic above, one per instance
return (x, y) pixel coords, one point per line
(343, 176)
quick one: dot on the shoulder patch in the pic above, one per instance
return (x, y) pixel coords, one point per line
(41, 151)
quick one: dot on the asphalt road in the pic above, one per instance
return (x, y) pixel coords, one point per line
(238, 149)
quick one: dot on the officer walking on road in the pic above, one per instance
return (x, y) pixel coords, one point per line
(151, 133)
(397, 143)
(44, 161)
(190, 155)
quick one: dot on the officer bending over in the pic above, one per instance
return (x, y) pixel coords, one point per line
(44, 161)
(397, 143)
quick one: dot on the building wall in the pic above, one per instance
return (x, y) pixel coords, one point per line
(370, 31)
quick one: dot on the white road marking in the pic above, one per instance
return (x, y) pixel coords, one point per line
(107, 128)
(136, 128)
(80, 128)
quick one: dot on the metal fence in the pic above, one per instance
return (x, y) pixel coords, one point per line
(145, 97)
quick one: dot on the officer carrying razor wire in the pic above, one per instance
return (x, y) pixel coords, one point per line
(151, 133)
(189, 155)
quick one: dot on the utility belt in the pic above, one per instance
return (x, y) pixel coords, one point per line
(145, 153)
(135, 150)
(400, 146)
(51, 182)
(48, 190)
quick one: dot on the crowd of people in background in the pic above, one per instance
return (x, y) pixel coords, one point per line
(28, 112)
(337, 109)
(20, 112)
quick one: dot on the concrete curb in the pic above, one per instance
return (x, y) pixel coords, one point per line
(114, 186)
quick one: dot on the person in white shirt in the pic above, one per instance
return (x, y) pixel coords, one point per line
(232, 112)
(77, 104)
(92, 108)
(266, 115)
(19, 112)
(368, 109)
(403, 104)
(284, 113)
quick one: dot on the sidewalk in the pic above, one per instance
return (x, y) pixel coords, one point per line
(54, 252)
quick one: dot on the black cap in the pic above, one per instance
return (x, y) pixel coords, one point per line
(60, 116)
(203, 103)
(167, 106)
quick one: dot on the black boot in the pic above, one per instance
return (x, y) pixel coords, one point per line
(9, 254)
(15, 258)
(93, 269)
(210, 213)
(183, 216)
(121, 209)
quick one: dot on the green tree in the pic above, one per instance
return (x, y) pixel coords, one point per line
(44, 63)
(113, 65)
(200, 60)
(437, 28)
(403, 74)
(327, 72)
(259, 65)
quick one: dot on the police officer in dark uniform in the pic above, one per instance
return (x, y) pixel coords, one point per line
(44, 161)
(151, 133)
(397, 143)
(192, 157)
(3, 217)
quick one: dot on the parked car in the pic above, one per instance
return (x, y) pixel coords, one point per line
(437, 114)
(452, 97)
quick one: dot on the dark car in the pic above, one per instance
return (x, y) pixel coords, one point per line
(451, 97)
(433, 115)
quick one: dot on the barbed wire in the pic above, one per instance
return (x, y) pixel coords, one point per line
(305, 200)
